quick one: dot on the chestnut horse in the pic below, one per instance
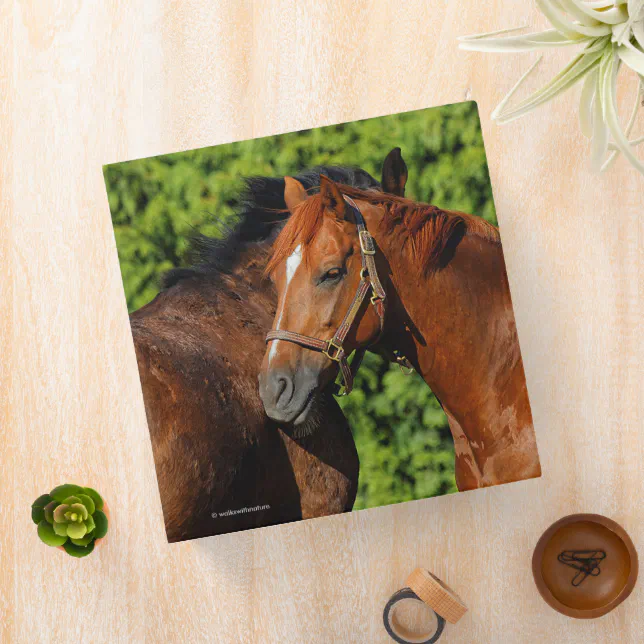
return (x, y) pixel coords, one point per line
(440, 297)
(198, 346)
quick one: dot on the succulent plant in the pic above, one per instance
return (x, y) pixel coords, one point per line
(70, 516)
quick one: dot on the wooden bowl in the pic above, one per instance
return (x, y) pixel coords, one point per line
(596, 594)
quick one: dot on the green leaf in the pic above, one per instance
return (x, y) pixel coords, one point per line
(78, 551)
(49, 511)
(59, 513)
(48, 536)
(87, 502)
(633, 58)
(61, 492)
(76, 530)
(89, 523)
(60, 529)
(578, 67)
(631, 121)
(567, 27)
(609, 103)
(528, 42)
(605, 12)
(95, 496)
(83, 541)
(38, 508)
(70, 500)
(80, 509)
(586, 103)
(101, 524)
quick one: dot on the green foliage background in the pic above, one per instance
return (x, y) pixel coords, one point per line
(402, 436)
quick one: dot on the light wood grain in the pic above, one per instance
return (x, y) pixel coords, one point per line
(85, 83)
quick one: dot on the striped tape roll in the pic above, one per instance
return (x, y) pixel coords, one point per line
(400, 633)
(437, 595)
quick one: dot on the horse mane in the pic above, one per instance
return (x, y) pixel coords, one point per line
(260, 213)
(430, 233)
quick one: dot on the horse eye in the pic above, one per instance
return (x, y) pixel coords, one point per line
(333, 274)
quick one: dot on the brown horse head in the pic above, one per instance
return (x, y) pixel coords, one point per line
(316, 268)
(316, 277)
(448, 310)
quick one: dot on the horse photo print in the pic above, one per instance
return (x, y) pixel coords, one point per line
(322, 321)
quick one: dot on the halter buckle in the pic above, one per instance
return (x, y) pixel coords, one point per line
(403, 362)
(375, 298)
(333, 351)
(366, 243)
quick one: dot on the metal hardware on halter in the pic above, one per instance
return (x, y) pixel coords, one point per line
(334, 347)
(339, 351)
(366, 243)
(403, 362)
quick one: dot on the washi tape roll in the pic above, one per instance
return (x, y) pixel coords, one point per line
(437, 595)
(399, 633)
(425, 587)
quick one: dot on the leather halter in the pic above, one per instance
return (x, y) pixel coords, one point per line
(369, 281)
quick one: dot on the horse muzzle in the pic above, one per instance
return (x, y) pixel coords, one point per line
(288, 397)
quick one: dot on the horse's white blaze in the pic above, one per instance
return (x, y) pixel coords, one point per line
(292, 264)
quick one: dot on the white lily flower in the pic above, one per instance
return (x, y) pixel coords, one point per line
(611, 33)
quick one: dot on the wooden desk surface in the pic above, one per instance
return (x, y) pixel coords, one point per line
(85, 83)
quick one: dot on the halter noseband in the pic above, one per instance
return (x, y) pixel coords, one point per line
(369, 281)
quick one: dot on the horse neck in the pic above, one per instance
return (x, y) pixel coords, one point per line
(457, 326)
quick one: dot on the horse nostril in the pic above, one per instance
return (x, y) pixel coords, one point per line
(283, 391)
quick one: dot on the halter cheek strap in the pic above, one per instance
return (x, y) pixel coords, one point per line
(369, 283)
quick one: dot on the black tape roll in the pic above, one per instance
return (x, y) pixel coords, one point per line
(408, 593)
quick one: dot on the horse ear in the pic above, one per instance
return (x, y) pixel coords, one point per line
(394, 173)
(332, 198)
(294, 193)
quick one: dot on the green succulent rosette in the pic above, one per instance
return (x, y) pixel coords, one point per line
(70, 516)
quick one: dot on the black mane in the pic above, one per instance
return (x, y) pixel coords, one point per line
(260, 215)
